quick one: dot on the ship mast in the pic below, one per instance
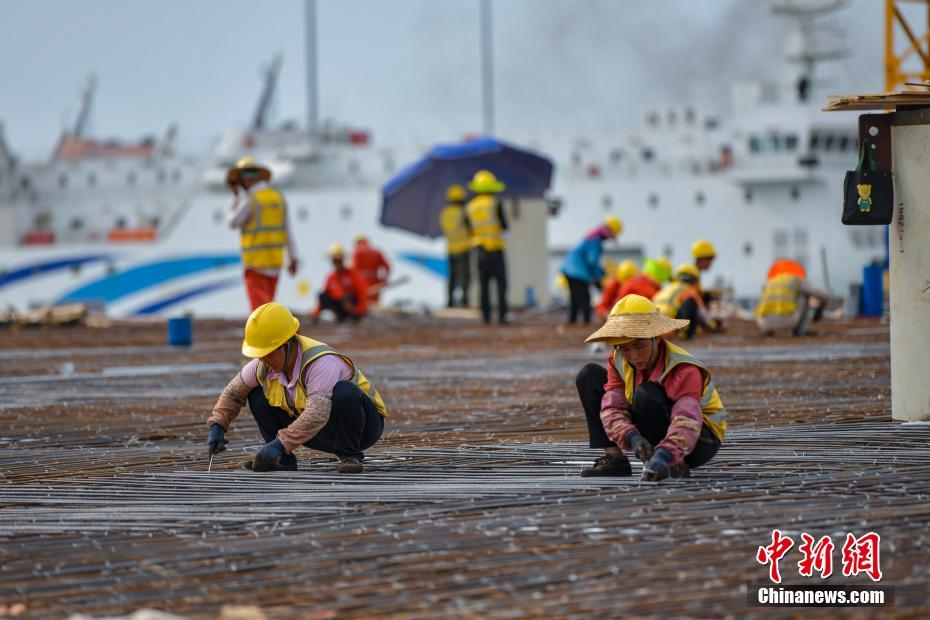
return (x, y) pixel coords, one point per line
(310, 40)
(87, 99)
(260, 120)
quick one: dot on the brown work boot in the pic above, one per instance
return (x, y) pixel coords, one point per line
(680, 471)
(609, 466)
(350, 466)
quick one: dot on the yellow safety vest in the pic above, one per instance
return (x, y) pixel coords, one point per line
(452, 222)
(668, 299)
(312, 349)
(486, 229)
(712, 409)
(264, 238)
(780, 296)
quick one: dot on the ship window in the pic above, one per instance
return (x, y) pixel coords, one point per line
(772, 142)
(653, 201)
(217, 217)
(828, 142)
(353, 167)
(91, 179)
(616, 155)
(689, 116)
(747, 249)
(120, 223)
(795, 193)
(607, 202)
(791, 142)
(699, 198)
(76, 224)
(652, 119)
(672, 118)
(754, 144)
(131, 178)
(844, 143)
(648, 154)
(160, 177)
(302, 214)
(747, 196)
(576, 158)
(176, 176)
(346, 212)
(25, 182)
(815, 141)
(63, 181)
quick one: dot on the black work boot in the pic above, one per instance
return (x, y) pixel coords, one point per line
(350, 466)
(609, 466)
(288, 462)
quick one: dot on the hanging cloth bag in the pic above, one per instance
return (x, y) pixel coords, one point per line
(868, 193)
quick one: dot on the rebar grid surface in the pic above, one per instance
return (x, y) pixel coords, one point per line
(470, 506)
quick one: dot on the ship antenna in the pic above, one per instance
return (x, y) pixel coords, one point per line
(87, 99)
(310, 38)
(264, 101)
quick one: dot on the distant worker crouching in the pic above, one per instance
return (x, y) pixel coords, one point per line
(704, 254)
(626, 270)
(654, 399)
(582, 268)
(487, 221)
(301, 392)
(345, 293)
(260, 213)
(787, 298)
(681, 299)
(370, 263)
(455, 227)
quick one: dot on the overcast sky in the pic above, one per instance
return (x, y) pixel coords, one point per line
(406, 69)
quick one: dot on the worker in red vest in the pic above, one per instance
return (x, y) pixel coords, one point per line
(345, 292)
(371, 264)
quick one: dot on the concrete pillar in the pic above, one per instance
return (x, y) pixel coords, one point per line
(910, 268)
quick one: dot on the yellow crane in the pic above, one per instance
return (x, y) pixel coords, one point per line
(907, 59)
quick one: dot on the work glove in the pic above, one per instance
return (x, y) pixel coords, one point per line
(216, 441)
(270, 453)
(658, 466)
(640, 445)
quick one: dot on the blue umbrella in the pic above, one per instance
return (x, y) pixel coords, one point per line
(413, 199)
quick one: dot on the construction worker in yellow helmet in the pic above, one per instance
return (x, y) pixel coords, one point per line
(345, 292)
(582, 268)
(454, 225)
(625, 271)
(301, 392)
(487, 221)
(653, 399)
(681, 299)
(259, 211)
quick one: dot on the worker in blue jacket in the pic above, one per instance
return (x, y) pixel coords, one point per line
(582, 268)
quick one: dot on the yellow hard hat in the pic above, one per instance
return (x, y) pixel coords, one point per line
(703, 249)
(626, 270)
(484, 182)
(633, 304)
(267, 328)
(614, 224)
(337, 251)
(688, 269)
(455, 193)
(247, 163)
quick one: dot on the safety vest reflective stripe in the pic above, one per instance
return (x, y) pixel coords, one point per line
(486, 228)
(668, 300)
(264, 237)
(780, 296)
(712, 409)
(276, 394)
(452, 223)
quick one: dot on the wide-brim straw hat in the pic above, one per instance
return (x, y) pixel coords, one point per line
(635, 317)
(247, 163)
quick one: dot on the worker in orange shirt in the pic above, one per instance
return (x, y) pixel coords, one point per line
(626, 270)
(345, 292)
(656, 271)
(371, 264)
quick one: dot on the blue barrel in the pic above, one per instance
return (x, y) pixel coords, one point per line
(180, 331)
(872, 298)
(530, 297)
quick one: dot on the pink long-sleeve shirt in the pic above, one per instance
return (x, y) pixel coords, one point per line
(683, 385)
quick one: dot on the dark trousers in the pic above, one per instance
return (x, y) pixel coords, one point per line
(459, 277)
(354, 422)
(651, 414)
(579, 293)
(338, 307)
(689, 310)
(491, 266)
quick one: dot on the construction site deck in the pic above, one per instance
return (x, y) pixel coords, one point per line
(471, 505)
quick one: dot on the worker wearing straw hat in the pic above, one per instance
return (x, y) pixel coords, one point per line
(301, 392)
(259, 211)
(654, 398)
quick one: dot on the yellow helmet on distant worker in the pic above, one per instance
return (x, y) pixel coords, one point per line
(267, 328)
(247, 163)
(484, 182)
(703, 249)
(688, 269)
(626, 270)
(657, 269)
(455, 193)
(635, 317)
(614, 224)
(337, 251)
